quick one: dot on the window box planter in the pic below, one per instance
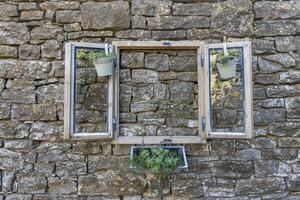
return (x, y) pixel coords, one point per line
(104, 66)
(227, 70)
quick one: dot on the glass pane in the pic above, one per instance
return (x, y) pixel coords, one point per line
(90, 94)
(226, 90)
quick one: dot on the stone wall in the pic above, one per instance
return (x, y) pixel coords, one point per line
(36, 164)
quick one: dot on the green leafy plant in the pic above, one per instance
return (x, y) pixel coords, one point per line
(222, 58)
(158, 161)
(83, 54)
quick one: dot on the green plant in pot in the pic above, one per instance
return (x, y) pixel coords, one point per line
(159, 162)
(226, 63)
(103, 62)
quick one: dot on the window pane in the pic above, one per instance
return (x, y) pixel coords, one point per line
(91, 94)
(226, 90)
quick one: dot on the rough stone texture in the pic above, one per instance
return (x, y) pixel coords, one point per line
(158, 96)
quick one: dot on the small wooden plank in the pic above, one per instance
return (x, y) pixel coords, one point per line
(67, 96)
(158, 140)
(194, 44)
(116, 91)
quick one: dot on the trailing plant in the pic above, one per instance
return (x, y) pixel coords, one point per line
(157, 161)
(90, 56)
(222, 58)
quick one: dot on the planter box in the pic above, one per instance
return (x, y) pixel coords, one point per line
(227, 70)
(179, 150)
(104, 66)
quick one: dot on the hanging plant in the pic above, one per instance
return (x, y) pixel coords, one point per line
(226, 64)
(103, 62)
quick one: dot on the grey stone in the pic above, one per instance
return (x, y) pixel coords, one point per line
(197, 34)
(144, 76)
(175, 34)
(87, 147)
(29, 52)
(70, 168)
(159, 62)
(203, 9)
(284, 129)
(282, 58)
(132, 130)
(19, 145)
(265, 168)
(8, 179)
(175, 109)
(182, 91)
(274, 28)
(279, 154)
(233, 169)
(188, 188)
(11, 160)
(44, 167)
(62, 186)
(51, 49)
(294, 184)
(143, 107)
(289, 77)
(143, 92)
(68, 16)
(46, 31)
(132, 60)
(8, 10)
(32, 15)
(282, 91)
(97, 163)
(292, 107)
(34, 183)
(233, 18)
(250, 154)
(4, 111)
(273, 103)
(138, 22)
(150, 118)
(188, 76)
(45, 131)
(134, 34)
(72, 27)
(14, 129)
(13, 33)
(125, 75)
(286, 44)
(60, 5)
(176, 131)
(183, 63)
(151, 7)
(111, 183)
(177, 121)
(266, 79)
(177, 22)
(8, 51)
(125, 97)
(28, 6)
(50, 93)
(89, 34)
(25, 96)
(269, 115)
(289, 142)
(19, 197)
(275, 10)
(103, 15)
(259, 185)
(164, 76)
(34, 112)
(161, 91)
(268, 66)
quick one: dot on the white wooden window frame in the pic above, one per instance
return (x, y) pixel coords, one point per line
(248, 102)
(69, 98)
(156, 45)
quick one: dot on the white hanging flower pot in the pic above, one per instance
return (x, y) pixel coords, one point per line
(104, 66)
(227, 70)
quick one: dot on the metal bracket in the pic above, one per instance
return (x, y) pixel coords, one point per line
(167, 44)
(203, 123)
(114, 124)
(202, 60)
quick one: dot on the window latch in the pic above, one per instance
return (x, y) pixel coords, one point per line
(203, 123)
(114, 124)
(202, 60)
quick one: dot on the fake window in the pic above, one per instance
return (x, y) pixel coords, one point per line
(137, 104)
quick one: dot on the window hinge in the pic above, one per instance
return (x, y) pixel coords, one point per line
(202, 60)
(114, 123)
(203, 123)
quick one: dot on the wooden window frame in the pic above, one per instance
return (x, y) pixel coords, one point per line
(157, 45)
(69, 99)
(248, 98)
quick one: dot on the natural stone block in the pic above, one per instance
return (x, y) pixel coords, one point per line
(8, 179)
(20, 145)
(182, 91)
(294, 184)
(267, 66)
(46, 31)
(175, 34)
(111, 183)
(70, 168)
(143, 107)
(188, 76)
(143, 92)
(132, 130)
(290, 77)
(233, 169)
(14, 129)
(203, 9)
(159, 62)
(13, 33)
(183, 63)
(62, 186)
(51, 49)
(60, 5)
(11, 160)
(250, 154)
(19, 197)
(282, 58)
(259, 185)
(8, 10)
(68, 16)
(72, 27)
(266, 79)
(280, 154)
(44, 167)
(8, 52)
(287, 44)
(4, 111)
(144, 76)
(275, 10)
(25, 96)
(104, 15)
(28, 6)
(50, 93)
(282, 91)
(87, 147)
(265, 168)
(125, 75)
(138, 22)
(31, 15)
(274, 28)
(97, 163)
(269, 115)
(29, 52)
(151, 7)
(34, 184)
(150, 118)
(45, 131)
(284, 129)
(289, 142)
(197, 34)
(292, 107)
(132, 60)
(177, 22)
(233, 18)
(34, 112)
(273, 103)
(134, 34)
(188, 188)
